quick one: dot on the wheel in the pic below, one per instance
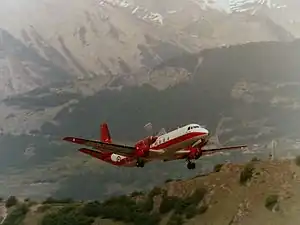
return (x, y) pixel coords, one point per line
(140, 163)
(191, 165)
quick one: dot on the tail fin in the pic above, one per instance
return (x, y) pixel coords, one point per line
(105, 134)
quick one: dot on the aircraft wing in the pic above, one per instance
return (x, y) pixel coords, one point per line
(215, 150)
(102, 146)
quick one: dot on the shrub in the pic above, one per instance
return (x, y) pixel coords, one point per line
(146, 219)
(197, 196)
(92, 209)
(16, 216)
(218, 167)
(255, 159)
(66, 216)
(43, 208)
(168, 180)
(168, 203)
(147, 206)
(271, 201)
(136, 193)
(124, 209)
(187, 206)
(11, 201)
(203, 209)
(246, 174)
(297, 160)
(175, 219)
(155, 191)
(51, 200)
(191, 211)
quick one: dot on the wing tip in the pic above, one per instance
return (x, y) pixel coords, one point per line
(67, 138)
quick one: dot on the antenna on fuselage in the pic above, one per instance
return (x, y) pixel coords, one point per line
(162, 132)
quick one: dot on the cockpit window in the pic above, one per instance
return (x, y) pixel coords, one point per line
(193, 127)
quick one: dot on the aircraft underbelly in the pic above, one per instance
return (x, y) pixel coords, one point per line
(176, 147)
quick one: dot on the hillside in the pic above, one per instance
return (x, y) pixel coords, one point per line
(259, 192)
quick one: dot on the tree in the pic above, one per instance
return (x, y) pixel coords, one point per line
(271, 201)
(246, 174)
(297, 160)
(218, 167)
(11, 201)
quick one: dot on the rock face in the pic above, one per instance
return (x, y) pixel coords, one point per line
(48, 41)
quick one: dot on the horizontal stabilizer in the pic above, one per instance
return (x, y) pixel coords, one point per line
(102, 146)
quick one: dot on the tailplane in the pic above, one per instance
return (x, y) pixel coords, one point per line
(105, 134)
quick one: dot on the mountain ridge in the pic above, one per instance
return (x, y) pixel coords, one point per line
(104, 39)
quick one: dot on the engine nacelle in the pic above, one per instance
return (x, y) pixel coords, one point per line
(143, 146)
(195, 153)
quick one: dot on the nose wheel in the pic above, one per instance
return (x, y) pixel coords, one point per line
(140, 163)
(191, 165)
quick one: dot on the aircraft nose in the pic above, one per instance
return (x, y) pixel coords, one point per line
(205, 131)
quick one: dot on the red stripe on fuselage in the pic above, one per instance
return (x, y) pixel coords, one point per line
(180, 139)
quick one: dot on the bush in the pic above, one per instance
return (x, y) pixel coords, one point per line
(203, 209)
(16, 216)
(43, 208)
(218, 167)
(255, 159)
(168, 203)
(147, 206)
(137, 193)
(297, 160)
(155, 191)
(197, 196)
(146, 219)
(11, 201)
(92, 209)
(175, 219)
(66, 216)
(187, 206)
(246, 174)
(271, 201)
(168, 180)
(124, 209)
(191, 211)
(51, 200)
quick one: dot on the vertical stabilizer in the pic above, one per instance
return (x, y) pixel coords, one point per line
(105, 134)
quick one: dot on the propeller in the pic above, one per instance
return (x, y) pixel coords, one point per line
(149, 128)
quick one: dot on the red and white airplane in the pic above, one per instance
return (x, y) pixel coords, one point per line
(183, 143)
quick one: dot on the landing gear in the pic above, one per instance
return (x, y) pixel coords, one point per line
(140, 163)
(191, 165)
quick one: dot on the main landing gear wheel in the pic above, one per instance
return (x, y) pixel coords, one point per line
(191, 165)
(140, 163)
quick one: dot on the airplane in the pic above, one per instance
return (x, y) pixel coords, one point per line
(185, 142)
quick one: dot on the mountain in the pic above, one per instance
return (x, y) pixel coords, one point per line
(109, 39)
(258, 192)
(67, 66)
(243, 94)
